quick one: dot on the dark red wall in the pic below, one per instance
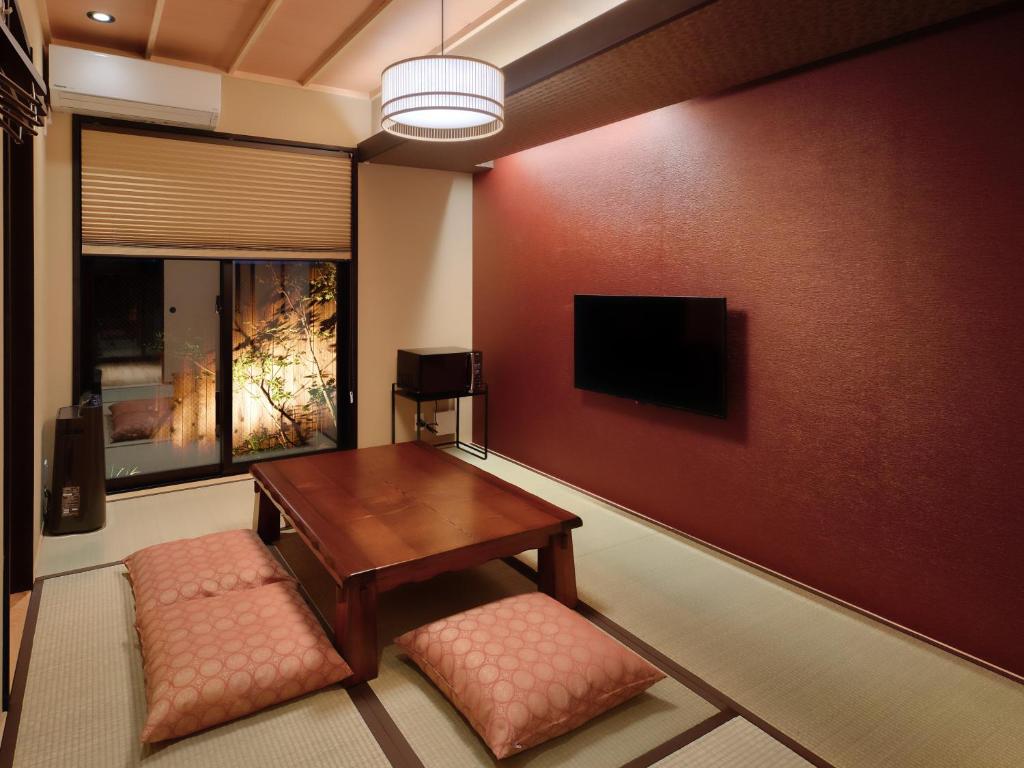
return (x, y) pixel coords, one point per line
(865, 221)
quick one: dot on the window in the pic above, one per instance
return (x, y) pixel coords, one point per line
(215, 298)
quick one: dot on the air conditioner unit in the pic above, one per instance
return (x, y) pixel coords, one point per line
(92, 83)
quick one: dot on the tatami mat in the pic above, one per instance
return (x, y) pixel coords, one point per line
(737, 744)
(442, 739)
(136, 521)
(848, 688)
(84, 701)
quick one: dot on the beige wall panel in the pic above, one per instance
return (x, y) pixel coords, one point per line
(53, 280)
(415, 249)
(282, 112)
(415, 281)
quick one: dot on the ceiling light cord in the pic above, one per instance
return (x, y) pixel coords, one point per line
(442, 97)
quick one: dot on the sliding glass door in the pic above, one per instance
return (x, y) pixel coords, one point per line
(204, 366)
(150, 334)
(284, 359)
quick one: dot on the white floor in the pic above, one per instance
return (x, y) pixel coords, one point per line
(135, 521)
(850, 689)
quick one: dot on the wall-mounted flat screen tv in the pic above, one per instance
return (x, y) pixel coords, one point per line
(666, 350)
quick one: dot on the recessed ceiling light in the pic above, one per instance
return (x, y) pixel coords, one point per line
(101, 16)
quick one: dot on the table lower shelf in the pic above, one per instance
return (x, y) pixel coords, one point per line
(479, 451)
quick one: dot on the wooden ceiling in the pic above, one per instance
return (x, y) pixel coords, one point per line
(647, 54)
(331, 44)
(570, 65)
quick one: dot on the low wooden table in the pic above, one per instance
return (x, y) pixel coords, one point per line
(377, 518)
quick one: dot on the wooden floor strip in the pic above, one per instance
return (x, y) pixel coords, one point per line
(396, 747)
(79, 570)
(695, 683)
(10, 738)
(674, 745)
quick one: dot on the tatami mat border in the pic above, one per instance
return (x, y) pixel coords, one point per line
(84, 569)
(10, 738)
(674, 745)
(392, 741)
(695, 683)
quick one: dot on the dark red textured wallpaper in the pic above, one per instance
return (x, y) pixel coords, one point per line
(865, 220)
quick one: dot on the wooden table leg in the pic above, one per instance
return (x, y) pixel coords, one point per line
(556, 571)
(267, 518)
(355, 627)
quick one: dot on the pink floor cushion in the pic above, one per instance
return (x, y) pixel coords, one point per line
(202, 567)
(210, 661)
(526, 669)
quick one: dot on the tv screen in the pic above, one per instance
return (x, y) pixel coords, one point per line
(667, 350)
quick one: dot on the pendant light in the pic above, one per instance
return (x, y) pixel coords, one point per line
(442, 97)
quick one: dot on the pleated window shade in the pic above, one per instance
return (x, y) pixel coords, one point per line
(148, 195)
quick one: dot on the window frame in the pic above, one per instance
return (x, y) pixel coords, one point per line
(347, 290)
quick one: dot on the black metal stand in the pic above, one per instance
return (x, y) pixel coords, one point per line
(421, 397)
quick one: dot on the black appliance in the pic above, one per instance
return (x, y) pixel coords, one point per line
(666, 350)
(78, 502)
(440, 370)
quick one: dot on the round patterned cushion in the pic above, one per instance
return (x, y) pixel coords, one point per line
(210, 565)
(526, 669)
(210, 661)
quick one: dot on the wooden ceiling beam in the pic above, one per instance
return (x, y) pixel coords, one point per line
(154, 27)
(254, 34)
(357, 26)
(462, 35)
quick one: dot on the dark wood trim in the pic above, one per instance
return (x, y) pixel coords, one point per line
(83, 569)
(352, 336)
(5, 661)
(20, 507)
(140, 482)
(688, 736)
(16, 23)
(158, 489)
(227, 310)
(392, 741)
(10, 738)
(23, 55)
(113, 125)
(76, 257)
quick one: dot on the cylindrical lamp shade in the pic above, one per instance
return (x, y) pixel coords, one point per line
(442, 98)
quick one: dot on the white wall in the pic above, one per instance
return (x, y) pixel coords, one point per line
(415, 249)
(415, 280)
